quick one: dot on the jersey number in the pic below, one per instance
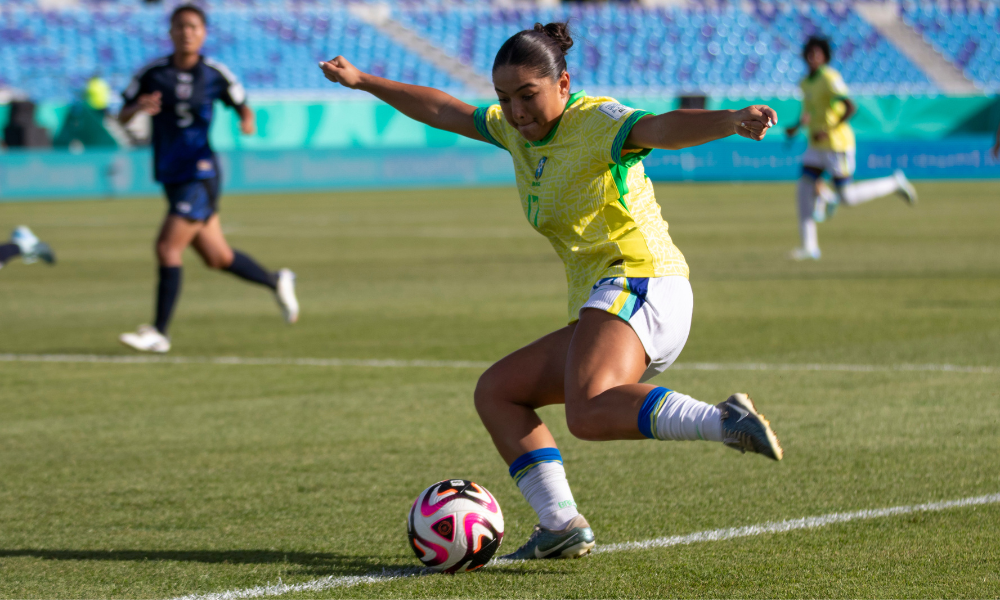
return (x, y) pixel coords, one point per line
(184, 116)
(533, 205)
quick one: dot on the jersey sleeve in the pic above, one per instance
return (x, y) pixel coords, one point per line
(137, 86)
(835, 84)
(490, 124)
(609, 124)
(232, 93)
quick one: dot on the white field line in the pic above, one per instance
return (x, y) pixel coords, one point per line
(464, 364)
(714, 535)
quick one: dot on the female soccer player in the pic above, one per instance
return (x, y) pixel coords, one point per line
(825, 112)
(581, 182)
(178, 91)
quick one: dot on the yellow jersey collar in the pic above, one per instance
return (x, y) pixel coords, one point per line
(573, 98)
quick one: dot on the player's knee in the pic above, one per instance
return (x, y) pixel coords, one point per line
(216, 261)
(582, 424)
(166, 255)
(489, 391)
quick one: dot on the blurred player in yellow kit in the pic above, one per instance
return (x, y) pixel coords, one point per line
(825, 112)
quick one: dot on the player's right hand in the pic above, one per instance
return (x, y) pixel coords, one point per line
(339, 70)
(150, 103)
(996, 151)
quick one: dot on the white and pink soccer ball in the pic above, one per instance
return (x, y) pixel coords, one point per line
(455, 525)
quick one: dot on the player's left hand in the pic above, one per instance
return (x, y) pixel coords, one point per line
(754, 121)
(996, 151)
(248, 125)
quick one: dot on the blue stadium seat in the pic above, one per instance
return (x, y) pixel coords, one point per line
(749, 49)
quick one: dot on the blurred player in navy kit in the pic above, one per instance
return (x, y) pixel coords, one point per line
(178, 91)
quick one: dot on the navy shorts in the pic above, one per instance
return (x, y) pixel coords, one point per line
(195, 200)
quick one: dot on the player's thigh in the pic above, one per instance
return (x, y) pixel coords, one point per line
(531, 376)
(176, 234)
(605, 352)
(212, 246)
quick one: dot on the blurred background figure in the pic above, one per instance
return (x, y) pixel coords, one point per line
(826, 109)
(97, 94)
(23, 243)
(178, 92)
(22, 131)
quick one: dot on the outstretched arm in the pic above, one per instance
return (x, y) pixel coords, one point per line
(427, 105)
(691, 127)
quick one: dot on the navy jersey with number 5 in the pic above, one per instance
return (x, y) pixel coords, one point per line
(181, 152)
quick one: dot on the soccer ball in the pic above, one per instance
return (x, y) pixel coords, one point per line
(455, 525)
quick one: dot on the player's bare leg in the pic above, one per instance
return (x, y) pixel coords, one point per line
(603, 366)
(176, 234)
(211, 245)
(509, 392)
(506, 398)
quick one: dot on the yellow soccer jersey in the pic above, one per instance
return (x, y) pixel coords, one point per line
(589, 196)
(821, 94)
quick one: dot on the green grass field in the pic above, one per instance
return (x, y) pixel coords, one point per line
(160, 480)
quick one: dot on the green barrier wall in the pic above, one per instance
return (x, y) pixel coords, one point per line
(372, 124)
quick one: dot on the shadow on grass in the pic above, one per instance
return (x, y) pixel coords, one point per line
(311, 563)
(317, 564)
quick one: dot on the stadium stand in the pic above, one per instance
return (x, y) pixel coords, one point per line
(49, 55)
(749, 49)
(635, 50)
(966, 34)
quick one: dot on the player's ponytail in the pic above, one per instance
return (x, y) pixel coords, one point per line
(542, 49)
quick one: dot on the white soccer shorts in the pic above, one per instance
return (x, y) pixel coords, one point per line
(657, 308)
(840, 165)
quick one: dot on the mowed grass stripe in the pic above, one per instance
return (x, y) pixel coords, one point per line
(714, 535)
(465, 364)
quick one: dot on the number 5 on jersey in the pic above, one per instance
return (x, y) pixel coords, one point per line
(184, 116)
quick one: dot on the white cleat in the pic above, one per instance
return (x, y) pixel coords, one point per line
(906, 189)
(32, 249)
(801, 254)
(146, 339)
(285, 295)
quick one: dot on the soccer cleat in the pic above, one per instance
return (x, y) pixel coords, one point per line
(285, 294)
(574, 541)
(906, 189)
(743, 428)
(146, 339)
(803, 254)
(32, 249)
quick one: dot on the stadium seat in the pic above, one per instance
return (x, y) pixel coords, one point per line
(717, 49)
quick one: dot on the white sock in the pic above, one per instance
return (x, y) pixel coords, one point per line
(806, 195)
(684, 418)
(859, 192)
(827, 195)
(670, 415)
(545, 488)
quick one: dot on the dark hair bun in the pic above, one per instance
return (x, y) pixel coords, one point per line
(542, 49)
(558, 32)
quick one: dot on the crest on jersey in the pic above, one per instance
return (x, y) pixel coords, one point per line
(184, 86)
(540, 167)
